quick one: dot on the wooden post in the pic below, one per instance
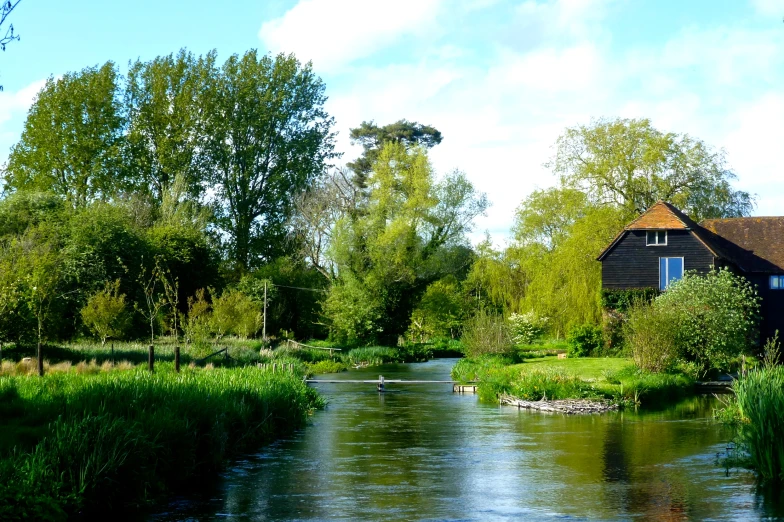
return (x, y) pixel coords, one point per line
(151, 359)
(380, 383)
(112, 353)
(177, 358)
(40, 359)
(264, 329)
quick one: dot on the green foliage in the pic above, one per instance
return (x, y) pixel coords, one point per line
(760, 404)
(651, 334)
(235, 312)
(113, 441)
(485, 334)
(373, 138)
(267, 138)
(105, 312)
(631, 165)
(372, 356)
(585, 340)
(440, 311)
(526, 328)
(326, 366)
(715, 316)
(72, 138)
(623, 299)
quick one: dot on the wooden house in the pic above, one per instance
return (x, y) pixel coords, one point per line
(657, 247)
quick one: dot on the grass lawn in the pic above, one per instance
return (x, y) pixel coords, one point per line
(586, 368)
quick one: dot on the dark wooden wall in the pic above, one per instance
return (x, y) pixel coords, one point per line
(771, 308)
(632, 264)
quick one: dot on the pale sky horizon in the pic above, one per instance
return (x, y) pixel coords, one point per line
(500, 79)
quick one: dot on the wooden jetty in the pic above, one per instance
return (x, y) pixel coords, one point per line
(381, 383)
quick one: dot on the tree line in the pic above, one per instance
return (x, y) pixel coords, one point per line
(190, 183)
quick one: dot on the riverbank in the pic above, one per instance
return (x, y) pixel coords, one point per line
(589, 378)
(83, 444)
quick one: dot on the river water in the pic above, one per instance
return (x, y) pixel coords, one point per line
(423, 453)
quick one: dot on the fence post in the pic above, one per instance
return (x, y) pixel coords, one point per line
(40, 359)
(177, 358)
(380, 383)
(151, 359)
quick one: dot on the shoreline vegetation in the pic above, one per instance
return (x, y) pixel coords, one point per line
(93, 439)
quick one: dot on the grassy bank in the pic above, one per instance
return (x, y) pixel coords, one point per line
(579, 378)
(78, 444)
(757, 411)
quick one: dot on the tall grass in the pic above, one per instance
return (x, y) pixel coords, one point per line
(760, 403)
(372, 356)
(93, 444)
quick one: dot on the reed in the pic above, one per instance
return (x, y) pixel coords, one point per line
(760, 404)
(94, 443)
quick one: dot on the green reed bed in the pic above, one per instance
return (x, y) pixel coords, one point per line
(758, 412)
(86, 444)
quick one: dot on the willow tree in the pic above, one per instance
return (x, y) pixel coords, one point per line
(630, 164)
(389, 252)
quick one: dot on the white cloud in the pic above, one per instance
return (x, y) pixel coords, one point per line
(334, 33)
(769, 7)
(13, 110)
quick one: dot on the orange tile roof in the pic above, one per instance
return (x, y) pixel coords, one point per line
(661, 216)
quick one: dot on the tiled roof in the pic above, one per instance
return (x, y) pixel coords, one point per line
(759, 241)
(661, 216)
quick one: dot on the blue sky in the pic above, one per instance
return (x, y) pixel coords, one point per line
(500, 79)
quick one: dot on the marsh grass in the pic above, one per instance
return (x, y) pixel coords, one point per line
(372, 356)
(759, 410)
(93, 443)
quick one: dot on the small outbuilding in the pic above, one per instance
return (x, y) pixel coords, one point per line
(657, 247)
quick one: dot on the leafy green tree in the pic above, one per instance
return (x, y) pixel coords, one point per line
(105, 313)
(440, 312)
(71, 141)
(373, 138)
(164, 121)
(631, 165)
(391, 248)
(267, 138)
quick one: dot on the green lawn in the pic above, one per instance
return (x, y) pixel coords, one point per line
(587, 368)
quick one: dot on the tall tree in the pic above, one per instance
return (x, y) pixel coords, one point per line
(72, 138)
(389, 252)
(164, 114)
(372, 138)
(267, 138)
(5, 9)
(630, 164)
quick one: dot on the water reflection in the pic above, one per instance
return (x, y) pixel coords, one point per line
(425, 453)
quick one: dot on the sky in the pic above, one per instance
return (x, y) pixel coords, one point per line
(500, 79)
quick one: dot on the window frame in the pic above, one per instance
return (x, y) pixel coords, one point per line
(656, 235)
(667, 268)
(779, 278)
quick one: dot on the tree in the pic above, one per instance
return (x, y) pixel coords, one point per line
(5, 10)
(390, 250)
(373, 138)
(105, 312)
(267, 138)
(631, 165)
(71, 139)
(164, 121)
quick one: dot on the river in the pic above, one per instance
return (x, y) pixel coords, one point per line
(424, 453)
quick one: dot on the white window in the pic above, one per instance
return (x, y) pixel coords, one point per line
(777, 282)
(656, 238)
(670, 269)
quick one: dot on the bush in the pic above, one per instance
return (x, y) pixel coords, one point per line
(715, 316)
(526, 328)
(325, 366)
(623, 300)
(650, 333)
(584, 340)
(486, 334)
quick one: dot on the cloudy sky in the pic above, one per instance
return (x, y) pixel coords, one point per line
(500, 79)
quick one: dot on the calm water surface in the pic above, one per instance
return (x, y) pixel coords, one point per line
(424, 453)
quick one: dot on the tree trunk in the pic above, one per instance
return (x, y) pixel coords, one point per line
(40, 358)
(177, 358)
(151, 359)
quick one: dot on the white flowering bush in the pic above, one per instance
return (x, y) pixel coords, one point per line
(526, 328)
(714, 317)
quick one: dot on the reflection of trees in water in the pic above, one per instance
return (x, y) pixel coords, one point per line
(614, 458)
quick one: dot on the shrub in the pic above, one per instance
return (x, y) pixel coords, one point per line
(326, 366)
(650, 334)
(715, 316)
(526, 328)
(612, 331)
(486, 334)
(584, 340)
(105, 314)
(623, 300)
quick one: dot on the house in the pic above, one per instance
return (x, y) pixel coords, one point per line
(657, 247)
